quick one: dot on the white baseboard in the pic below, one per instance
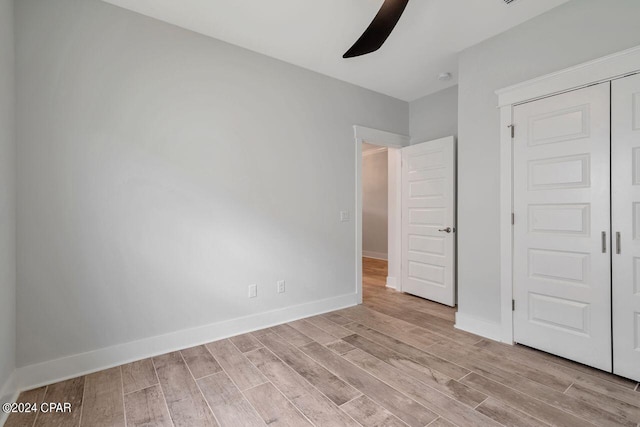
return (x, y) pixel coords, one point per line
(392, 283)
(484, 328)
(8, 394)
(374, 255)
(52, 371)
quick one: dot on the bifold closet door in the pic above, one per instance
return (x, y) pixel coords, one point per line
(625, 162)
(562, 259)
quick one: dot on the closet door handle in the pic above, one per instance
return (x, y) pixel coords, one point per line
(604, 242)
(618, 247)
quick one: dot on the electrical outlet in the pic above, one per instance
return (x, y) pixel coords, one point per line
(253, 291)
(280, 286)
(345, 216)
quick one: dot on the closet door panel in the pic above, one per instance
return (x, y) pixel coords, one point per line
(562, 277)
(625, 176)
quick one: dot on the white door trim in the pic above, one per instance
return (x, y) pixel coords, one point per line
(391, 140)
(609, 67)
(603, 69)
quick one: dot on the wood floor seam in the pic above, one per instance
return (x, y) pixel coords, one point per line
(288, 400)
(465, 375)
(561, 368)
(35, 419)
(605, 416)
(138, 390)
(421, 350)
(124, 407)
(195, 380)
(232, 343)
(428, 386)
(434, 411)
(438, 408)
(207, 402)
(485, 399)
(545, 403)
(538, 420)
(349, 401)
(232, 380)
(329, 370)
(305, 380)
(164, 397)
(280, 391)
(377, 378)
(81, 407)
(333, 373)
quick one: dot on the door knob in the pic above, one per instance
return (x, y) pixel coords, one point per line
(447, 230)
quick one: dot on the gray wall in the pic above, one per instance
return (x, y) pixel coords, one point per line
(375, 192)
(576, 32)
(434, 116)
(161, 172)
(7, 197)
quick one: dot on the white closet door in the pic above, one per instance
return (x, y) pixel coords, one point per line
(562, 264)
(625, 176)
(428, 220)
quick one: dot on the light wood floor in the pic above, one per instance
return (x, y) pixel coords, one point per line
(374, 272)
(397, 360)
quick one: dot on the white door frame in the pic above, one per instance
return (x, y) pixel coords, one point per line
(390, 140)
(604, 69)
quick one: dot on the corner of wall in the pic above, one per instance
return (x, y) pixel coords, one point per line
(434, 116)
(7, 205)
(8, 394)
(477, 326)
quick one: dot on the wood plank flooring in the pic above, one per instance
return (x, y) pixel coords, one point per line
(396, 360)
(374, 272)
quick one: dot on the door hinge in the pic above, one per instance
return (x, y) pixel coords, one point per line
(513, 218)
(513, 305)
(513, 131)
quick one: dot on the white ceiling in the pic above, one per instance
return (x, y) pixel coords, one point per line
(315, 33)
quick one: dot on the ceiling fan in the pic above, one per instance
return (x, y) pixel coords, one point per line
(379, 30)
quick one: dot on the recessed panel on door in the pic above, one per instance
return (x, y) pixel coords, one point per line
(563, 266)
(559, 172)
(560, 218)
(428, 215)
(565, 315)
(625, 161)
(559, 125)
(427, 188)
(434, 245)
(562, 231)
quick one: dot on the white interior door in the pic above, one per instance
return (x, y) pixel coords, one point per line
(625, 162)
(428, 220)
(562, 260)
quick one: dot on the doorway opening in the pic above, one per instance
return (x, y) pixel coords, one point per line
(375, 214)
(381, 252)
(409, 193)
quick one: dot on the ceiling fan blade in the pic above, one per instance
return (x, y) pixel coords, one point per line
(378, 31)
